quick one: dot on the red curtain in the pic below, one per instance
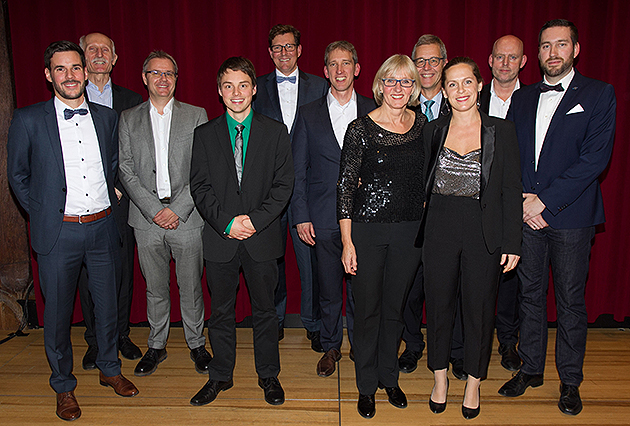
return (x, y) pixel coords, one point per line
(200, 34)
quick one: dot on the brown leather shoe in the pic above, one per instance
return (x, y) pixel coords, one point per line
(121, 385)
(326, 365)
(67, 406)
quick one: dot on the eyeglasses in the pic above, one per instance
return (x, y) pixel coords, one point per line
(433, 62)
(289, 47)
(157, 74)
(404, 82)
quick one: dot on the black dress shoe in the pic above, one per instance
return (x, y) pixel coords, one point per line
(89, 359)
(316, 345)
(509, 357)
(351, 355)
(570, 401)
(408, 361)
(366, 406)
(395, 395)
(201, 357)
(274, 394)
(128, 349)
(471, 413)
(209, 391)
(458, 369)
(516, 385)
(149, 362)
(438, 407)
(280, 333)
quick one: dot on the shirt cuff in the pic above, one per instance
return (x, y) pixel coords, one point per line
(229, 227)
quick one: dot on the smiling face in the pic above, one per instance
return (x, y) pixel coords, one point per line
(397, 96)
(286, 62)
(429, 76)
(507, 59)
(161, 88)
(461, 87)
(237, 91)
(557, 52)
(68, 77)
(341, 70)
(99, 54)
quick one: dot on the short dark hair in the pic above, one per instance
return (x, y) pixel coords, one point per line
(560, 23)
(343, 45)
(159, 54)
(284, 29)
(62, 46)
(462, 60)
(237, 63)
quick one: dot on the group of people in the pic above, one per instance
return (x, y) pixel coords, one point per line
(425, 192)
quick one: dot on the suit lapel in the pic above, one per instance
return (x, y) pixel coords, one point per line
(145, 129)
(272, 89)
(253, 146)
(488, 138)
(437, 143)
(323, 116)
(177, 124)
(103, 139)
(225, 144)
(53, 133)
(567, 102)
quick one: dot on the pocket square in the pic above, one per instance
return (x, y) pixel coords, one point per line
(576, 109)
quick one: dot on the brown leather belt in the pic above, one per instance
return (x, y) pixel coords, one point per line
(88, 217)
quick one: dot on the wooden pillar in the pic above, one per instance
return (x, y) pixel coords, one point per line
(15, 261)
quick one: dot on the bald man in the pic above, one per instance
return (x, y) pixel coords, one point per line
(100, 55)
(506, 61)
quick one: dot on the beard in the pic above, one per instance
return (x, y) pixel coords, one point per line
(60, 89)
(554, 72)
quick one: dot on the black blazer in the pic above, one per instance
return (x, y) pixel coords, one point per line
(484, 98)
(316, 156)
(265, 190)
(501, 200)
(122, 98)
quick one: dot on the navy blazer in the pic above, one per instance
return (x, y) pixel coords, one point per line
(575, 152)
(36, 171)
(500, 198)
(316, 156)
(267, 101)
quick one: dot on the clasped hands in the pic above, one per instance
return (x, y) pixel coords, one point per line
(532, 211)
(242, 228)
(166, 219)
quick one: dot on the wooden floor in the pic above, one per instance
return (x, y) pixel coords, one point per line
(27, 399)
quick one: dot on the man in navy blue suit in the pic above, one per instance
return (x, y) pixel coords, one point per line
(565, 126)
(318, 135)
(62, 159)
(280, 94)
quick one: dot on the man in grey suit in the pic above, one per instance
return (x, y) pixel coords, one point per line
(318, 135)
(155, 150)
(280, 94)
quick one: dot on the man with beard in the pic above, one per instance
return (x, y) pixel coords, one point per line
(62, 159)
(506, 61)
(565, 126)
(101, 57)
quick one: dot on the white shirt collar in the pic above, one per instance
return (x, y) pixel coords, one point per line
(516, 87)
(167, 108)
(331, 100)
(295, 73)
(60, 106)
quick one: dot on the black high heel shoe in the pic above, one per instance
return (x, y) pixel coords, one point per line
(438, 407)
(471, 413)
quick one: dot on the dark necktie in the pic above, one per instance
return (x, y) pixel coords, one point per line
(238, 152)
(428, 112)
(547, 88)
(69, 113)
(291, 79)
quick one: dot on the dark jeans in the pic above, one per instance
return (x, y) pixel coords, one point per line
(568, 252)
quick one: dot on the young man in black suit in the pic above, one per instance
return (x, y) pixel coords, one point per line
(241, 179)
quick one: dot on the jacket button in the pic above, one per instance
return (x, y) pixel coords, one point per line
(63, 189)
(533, 188)
(154, 191)
(61, 211)
(238, 192)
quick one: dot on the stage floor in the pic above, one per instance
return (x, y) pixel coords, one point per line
(27, 399)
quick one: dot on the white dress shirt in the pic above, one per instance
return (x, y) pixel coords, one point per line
(288, 96)
(86, 191)
(341, 115)
(435, 108)
(499, 107)
(547, 105)
(161, 126)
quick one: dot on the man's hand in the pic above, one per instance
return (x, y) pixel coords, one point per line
(509, 261)
(537, 223)
(306, 232)
(166, 219)
(118, 194)
(532, 206)
(242, 228)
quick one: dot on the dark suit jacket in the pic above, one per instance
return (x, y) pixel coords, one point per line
(265, 190)
(501, 200)
(36, 171)
(575, 152)
(267, 102)
(484, 99)
(316, 156)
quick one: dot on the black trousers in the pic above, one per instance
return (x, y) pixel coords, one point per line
(457, 263)
(261, 279)
(386, 264)
(507, 309)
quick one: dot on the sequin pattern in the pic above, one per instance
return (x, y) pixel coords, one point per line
(389, 168)
(458, 175)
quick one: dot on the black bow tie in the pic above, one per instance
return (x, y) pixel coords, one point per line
(69, 113)
(546, 88)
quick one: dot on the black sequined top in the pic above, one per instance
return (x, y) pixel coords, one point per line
(389, 166)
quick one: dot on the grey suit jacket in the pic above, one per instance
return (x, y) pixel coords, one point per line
(137, 164)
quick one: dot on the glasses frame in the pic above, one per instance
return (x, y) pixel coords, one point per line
(419, 62)
(399, 81)
(160, 74)
(289, 47)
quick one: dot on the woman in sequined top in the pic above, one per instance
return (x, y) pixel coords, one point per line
(471, 229)
(380, 197)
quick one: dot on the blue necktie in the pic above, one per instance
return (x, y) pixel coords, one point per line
(69, 113)
(291, 79)
(428, 104)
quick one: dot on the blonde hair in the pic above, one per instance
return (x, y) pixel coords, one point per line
(396, 64)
